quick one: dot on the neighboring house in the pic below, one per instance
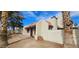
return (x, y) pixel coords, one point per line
(45, 30)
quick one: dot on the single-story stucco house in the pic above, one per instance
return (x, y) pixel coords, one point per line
(45, 30)
(49, 30)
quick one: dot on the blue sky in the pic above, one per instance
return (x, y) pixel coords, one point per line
(34, 16)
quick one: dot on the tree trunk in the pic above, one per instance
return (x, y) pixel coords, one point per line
(13, 29)
(3, 35)
(68, 30)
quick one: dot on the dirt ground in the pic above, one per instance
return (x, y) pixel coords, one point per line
(19, 41)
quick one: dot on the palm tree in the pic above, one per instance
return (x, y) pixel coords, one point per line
(68, 30)
(3, 34)
(4, 16)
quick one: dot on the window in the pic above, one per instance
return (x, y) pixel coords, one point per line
(28, 30)
(50, 27)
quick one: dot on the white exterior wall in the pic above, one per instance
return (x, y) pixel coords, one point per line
(25, 33)
(54, 36)
(49, 35)
(39, 28)
(60, 20)
(54, 23)
(74, 36)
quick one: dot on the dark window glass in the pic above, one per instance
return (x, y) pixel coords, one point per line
(50, 27)
(27, 30)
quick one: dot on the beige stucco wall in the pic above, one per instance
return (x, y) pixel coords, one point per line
(25, 33)
(49, 35)
(39, 27)
(74, 36)
(54, 23)
(60, 20)
(54, 36)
